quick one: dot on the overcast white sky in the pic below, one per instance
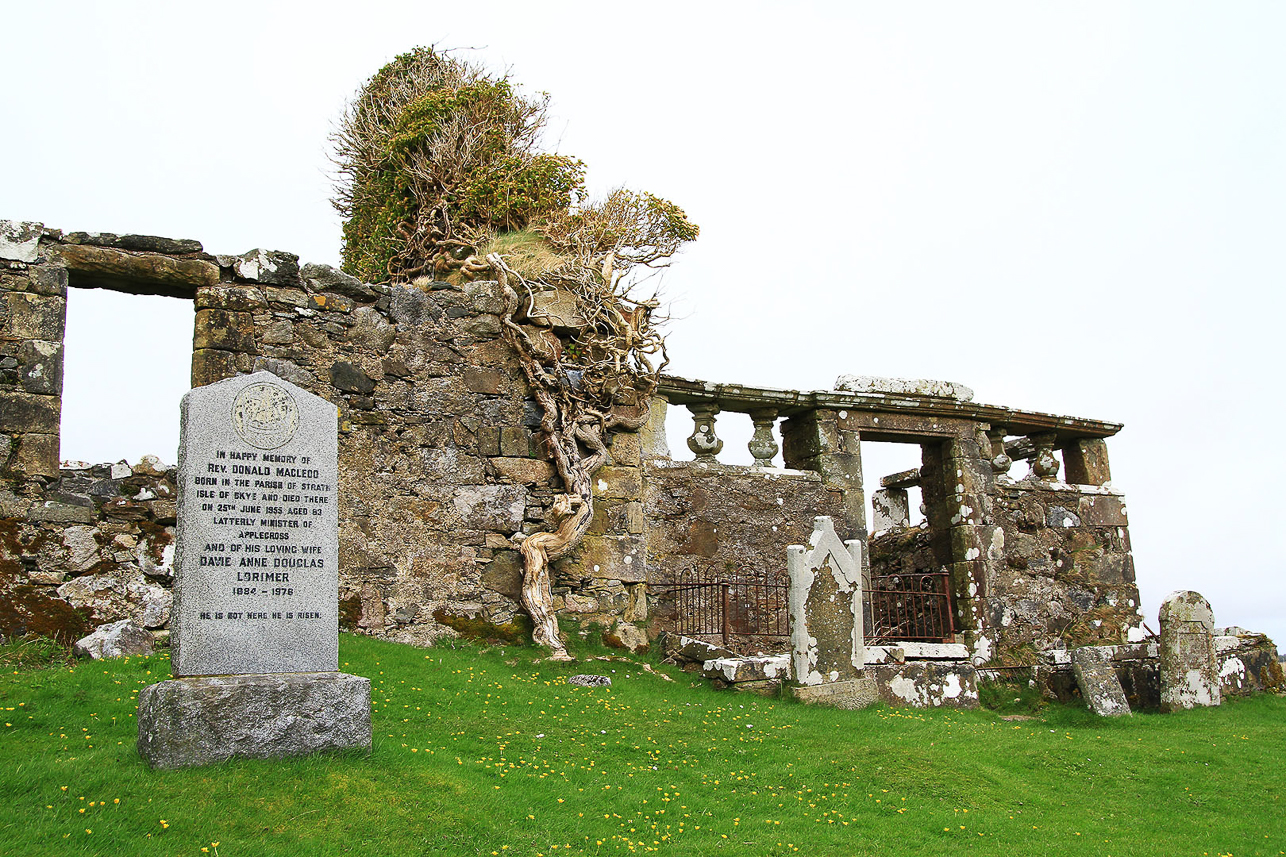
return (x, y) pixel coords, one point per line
(1075, 208)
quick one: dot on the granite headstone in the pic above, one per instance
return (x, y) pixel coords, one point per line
(257, 582)
(255, 644)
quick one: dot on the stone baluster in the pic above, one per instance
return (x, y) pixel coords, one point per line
(704, 442)
(763, 446)
(1044, 465)
(1000, 460)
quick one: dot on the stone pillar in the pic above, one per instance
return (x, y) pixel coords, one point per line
(958, 482)
(704, 442)
(763, 446)
(1086, 462)
(826, 634)
(1189, 671)
(890, 509)
(652, 440)
(814, 441)
(33, 315)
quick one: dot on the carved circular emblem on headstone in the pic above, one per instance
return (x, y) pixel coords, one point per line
(265, 416)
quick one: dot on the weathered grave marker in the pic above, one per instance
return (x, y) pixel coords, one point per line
(1189, 671)
(826, 635)
(255, 643)
(1100, 687)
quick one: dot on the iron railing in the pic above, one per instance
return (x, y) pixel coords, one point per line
(913, 607)
(706, 604)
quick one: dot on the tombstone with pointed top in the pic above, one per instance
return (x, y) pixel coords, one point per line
(826, 635)
(1189, 671)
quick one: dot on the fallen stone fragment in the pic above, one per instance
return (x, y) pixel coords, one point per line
(115, 641)
(589, 680)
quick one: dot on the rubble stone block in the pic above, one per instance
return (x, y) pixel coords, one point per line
(31, 316)
(27, 412)
(488, 440)
(210, 365)
(224, 329)
(503, 573)
(48, 280)
(268, 266)
(37, 455)
(324, 278)
(20, 240)
(609, 557)
(231, 298)
(618, 483)
(491, 507)
(529, 471)
(1102, 511)
(116, 640)
(514, 442)
(626, 449)
(40, 367)
(350, 378)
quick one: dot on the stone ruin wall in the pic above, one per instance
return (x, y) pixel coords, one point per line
(438, 460)
(440, 469)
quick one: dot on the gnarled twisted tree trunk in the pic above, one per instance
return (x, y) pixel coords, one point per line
(574, 435)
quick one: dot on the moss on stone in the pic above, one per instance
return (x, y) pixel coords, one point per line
(517, 630)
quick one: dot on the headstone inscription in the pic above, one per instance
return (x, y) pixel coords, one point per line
(255, 637)
(825, 597)
(258, 547)
(1189, 670)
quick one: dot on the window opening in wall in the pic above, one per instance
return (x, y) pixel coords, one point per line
(881, 460)
(126, 364)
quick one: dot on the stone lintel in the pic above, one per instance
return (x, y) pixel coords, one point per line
(904, 479)
(202, 721)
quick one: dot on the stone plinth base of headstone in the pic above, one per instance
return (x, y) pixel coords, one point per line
(852, 694)
(208, 719)
(921, 684)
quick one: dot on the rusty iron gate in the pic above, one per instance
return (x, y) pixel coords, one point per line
(910, 607)
(707, 604)
(914, 607)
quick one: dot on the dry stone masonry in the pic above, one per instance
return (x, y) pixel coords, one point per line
(440, 472)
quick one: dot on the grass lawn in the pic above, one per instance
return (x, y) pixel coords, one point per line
(486, 751)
